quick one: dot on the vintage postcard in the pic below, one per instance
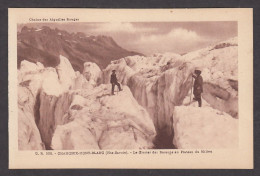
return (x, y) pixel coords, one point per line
(130, 88)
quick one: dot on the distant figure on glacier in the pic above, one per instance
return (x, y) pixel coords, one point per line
(198, 86)
(113, 81)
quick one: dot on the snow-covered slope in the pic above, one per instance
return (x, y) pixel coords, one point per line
(204, 128)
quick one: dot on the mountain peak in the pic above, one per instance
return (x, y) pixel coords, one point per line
(45, 44)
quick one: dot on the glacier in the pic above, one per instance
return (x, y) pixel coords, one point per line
(62, 109)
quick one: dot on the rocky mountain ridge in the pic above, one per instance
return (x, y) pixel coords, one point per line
(45, 45)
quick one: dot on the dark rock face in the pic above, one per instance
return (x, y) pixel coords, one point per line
(45, 45)
(223, 45)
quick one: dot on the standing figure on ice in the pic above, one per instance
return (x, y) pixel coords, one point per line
(113, 81)
(198, 86)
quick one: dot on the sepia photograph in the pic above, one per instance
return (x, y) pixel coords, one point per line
(127, 87)
(160, 85)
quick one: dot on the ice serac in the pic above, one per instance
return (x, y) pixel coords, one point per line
(28, 134)
(40, 91)
(52, 112)
(27, 66)
(28, 84)
(54, 100)
(204, 128)
(102, 121)
(158, 83)
(66, 73)
(67, 110)
(219, 65)
(31, 84)
(92, 73)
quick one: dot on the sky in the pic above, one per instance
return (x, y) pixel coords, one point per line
(154, 37)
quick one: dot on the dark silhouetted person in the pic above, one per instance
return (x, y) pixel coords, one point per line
(113, 81)
(198, 86)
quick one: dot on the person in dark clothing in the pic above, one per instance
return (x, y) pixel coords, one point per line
(198, 86)
(113, 81)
